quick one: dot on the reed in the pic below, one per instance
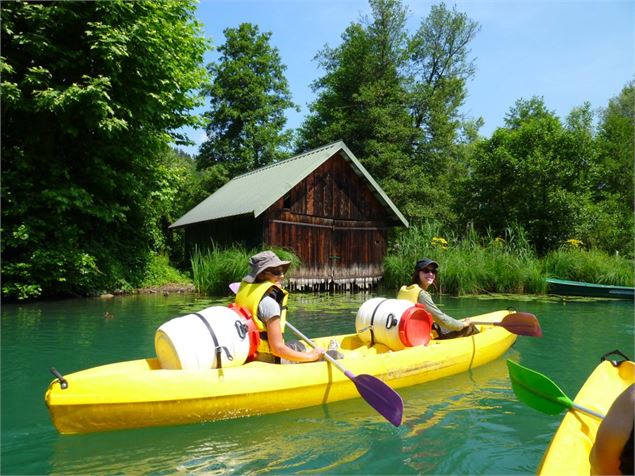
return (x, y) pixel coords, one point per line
(590, 266)
(475, 264)
(471, 264)
(214, 268)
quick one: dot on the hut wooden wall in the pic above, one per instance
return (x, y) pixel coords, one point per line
(334, 224)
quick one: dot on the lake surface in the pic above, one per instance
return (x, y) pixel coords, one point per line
(465, 424)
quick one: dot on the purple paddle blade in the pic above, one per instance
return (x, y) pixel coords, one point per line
(234, 287)
(380, 396)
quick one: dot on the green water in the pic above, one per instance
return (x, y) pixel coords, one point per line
(465, 424)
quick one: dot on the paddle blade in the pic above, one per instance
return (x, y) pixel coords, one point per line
(522, 324)
(381, 397)
(234, 287)
(536, 390)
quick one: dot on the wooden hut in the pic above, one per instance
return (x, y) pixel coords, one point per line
(322, 204)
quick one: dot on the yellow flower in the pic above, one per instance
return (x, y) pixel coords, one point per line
(439, 242)
(574, 243)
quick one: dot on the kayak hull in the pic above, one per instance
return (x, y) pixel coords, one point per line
(139, 393)
(569, 450)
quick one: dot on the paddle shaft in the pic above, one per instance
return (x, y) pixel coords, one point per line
(587, 410)
(348, 373)
(519, 323)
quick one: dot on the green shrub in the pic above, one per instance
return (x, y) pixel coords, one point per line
(159, 272)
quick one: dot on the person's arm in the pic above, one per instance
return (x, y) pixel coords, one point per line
(438, 315)
(280, 349)
(613, 433)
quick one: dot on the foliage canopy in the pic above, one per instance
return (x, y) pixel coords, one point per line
(92, 93)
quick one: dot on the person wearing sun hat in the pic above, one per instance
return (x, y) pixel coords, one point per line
(424, 275)
(261, 292)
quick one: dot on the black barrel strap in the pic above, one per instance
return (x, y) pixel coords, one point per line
(217, 347)
(372, 321)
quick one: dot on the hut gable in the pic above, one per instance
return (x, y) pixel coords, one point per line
(322, 204)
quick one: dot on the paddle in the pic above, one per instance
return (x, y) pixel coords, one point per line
(519, 323)
(540, 392)
(377, 394)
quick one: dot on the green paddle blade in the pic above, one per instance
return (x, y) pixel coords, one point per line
(536, 390)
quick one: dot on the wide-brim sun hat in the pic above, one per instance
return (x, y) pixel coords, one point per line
(424, 263)
(264, 260)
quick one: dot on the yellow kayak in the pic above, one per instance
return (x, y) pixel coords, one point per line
(140, 393)
(569, 450)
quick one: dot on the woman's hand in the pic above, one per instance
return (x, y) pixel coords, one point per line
(315, 354)
(466, 322)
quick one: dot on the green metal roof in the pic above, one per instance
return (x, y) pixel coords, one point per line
(254, 192)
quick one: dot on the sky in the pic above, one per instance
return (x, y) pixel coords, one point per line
(566, 51)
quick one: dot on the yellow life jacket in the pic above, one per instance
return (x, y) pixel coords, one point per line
(249, 296)
(410, 293)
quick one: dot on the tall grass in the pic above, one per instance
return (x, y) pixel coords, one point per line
(470, 264)
(475, 264)
(591, 266)
(214, 268)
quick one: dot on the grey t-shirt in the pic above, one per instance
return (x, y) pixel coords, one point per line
(268, 308)
(445, 322)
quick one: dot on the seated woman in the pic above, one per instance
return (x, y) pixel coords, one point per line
(261, 292)
(423, 277)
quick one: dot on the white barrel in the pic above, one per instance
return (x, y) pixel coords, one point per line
(396, 323)
(187, 343)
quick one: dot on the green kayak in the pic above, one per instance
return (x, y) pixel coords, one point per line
(577, 288)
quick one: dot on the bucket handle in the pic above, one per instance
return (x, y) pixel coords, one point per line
(391, 321)
(241, 329)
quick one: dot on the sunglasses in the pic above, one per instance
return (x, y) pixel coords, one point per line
(275, 272)
(429, 270)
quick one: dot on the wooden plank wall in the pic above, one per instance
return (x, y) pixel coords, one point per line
(335, 225)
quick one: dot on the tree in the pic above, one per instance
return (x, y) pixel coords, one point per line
(529, 173)
(394, 100)
(249, 95)
(92, 92)
(362, 99)
(439, 68)
(608, 222)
